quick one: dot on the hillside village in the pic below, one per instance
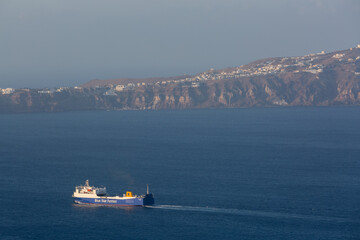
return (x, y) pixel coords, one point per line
(310, 67)
(306, 63)
(275, 66)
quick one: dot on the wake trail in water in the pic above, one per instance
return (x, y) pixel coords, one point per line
(253, 213)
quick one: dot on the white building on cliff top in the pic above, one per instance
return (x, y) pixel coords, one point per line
(6, 90)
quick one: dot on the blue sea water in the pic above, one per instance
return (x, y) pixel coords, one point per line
(264, 173)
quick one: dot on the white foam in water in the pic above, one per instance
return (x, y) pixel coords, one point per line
(253, 213)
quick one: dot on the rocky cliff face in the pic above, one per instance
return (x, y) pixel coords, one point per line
(312, 80)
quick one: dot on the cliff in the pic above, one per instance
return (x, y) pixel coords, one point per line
(311, 80)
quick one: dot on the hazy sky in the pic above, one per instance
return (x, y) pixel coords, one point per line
(50, 43)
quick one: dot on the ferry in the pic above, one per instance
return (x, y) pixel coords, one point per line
(86, 194)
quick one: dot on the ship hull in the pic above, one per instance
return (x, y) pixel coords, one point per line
(147, 200)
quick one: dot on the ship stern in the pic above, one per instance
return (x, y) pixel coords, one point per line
(148, 199)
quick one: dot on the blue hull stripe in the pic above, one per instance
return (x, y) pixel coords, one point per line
(109, 201)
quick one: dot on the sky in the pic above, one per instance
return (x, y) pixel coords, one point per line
(54, 43)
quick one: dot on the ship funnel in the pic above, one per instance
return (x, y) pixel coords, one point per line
(147, 188)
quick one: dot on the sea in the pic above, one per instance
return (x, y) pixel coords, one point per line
(252, 173)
